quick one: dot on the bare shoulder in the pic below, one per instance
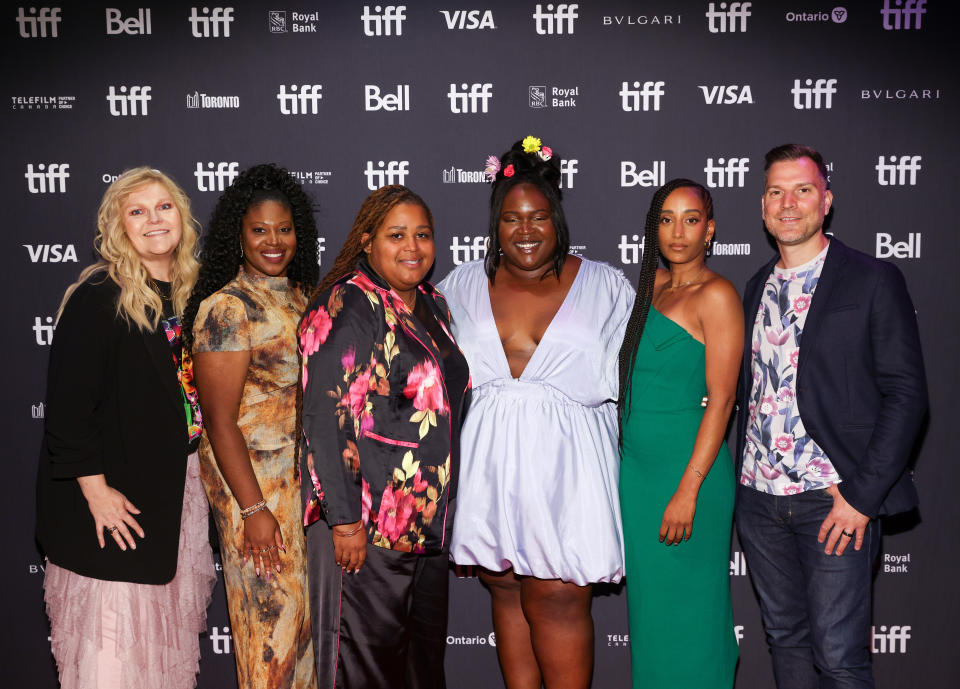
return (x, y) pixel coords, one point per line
(718, 292)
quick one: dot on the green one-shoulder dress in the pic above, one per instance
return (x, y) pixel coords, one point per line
(681, 622)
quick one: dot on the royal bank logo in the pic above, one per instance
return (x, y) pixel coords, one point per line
(311, 176)
(726, 172)
(300, 22)
(390, 101)
(43, 327)
(889, 640)
(300, 100)
(42, 102)
(635, 96)
(549, 19)
(901, 15)
(51, 253)
(641, 19)
(385, 21)
(470, 20)
(631, 175)
(887, 248)
(733, 94)
(277, 21)
(216, 176)
(838, 15)
(898, 171)
(470, 98)
(137, 25)
(207, 23)
(727, 17)
(34, 23)
(900, 94)
(553, 96)
(203, 101)
(813, 94)
(390, 172)
(129, 101)
(463, 250)
(47, 178)
(893, 563)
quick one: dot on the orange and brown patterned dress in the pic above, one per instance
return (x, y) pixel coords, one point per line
(270, 620)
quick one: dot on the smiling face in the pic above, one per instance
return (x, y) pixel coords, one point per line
(269, 240)
(153, 226)
(526, 232)
(795, 202)
(684, 229)
(402, 250)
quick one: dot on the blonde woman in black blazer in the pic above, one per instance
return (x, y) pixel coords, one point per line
(121, 513)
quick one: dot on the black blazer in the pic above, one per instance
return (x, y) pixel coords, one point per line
(114, 407)
(861, 387)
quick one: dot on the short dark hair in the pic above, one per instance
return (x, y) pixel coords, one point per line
(784, 152)
(528, 168)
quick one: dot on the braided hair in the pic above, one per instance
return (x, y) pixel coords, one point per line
(645, 284)
(222, 253)
(529, 168)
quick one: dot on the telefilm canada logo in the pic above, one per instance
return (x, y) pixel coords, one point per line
(311, 176)
(42, 102)
(553, 96)
(298, 22)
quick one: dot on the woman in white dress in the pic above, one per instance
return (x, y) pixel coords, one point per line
(538, 507)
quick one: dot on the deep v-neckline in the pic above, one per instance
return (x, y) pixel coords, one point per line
(546, 332)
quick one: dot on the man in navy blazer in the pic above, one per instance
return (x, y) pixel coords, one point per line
(832, 394)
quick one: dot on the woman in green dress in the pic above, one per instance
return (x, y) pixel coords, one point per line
(678, 374)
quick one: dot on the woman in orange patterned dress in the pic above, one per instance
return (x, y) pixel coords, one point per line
(258, 262)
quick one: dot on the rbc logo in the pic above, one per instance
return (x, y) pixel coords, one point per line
(651, 92)
(50, 178)
(209, 25)
(727, 95)
(654, 177)
(902, 16)
(895, 173)
(557, 21)
(136, 99)
(887, 248)
(395, 172)
(717, 20)
(813, 95)
(134, 26)
(383, 23)
(469, 249)
(467, 100)
(372, 100)
(51, 253)
(726, 173)
(33, 25)
(302, 102)
(216, 179)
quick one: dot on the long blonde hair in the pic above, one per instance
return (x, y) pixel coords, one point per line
(138, 302)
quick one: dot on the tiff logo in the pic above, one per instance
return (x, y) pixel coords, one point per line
(43, 330)
(557, 21)
(813, 95)
(372, 100)
(136, 99)
(903, 17)
(470, 97)
(650, 93)
(50, 178)
(396, 172)
(726, 173)
(887, 248)
(468, 248)
(895, 172)
(216, 179)
(631, 249)
(134, 26)
(568, 168)
(892, 641)
(724, 20)
(209, 25)
(221, 640)
(51, 253)
(33, 25)
(300, 102)
(387, 22)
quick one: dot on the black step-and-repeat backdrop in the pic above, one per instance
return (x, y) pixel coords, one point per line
(352, 95)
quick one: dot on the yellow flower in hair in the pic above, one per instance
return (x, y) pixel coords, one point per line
(531, 144)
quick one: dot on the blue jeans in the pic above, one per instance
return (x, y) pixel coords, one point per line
(816, 607)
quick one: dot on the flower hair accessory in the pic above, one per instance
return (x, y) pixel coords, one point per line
(530, 144)
(508, 171)
(491, 168)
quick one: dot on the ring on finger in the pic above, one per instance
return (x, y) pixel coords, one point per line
(112, 529)
(847, 534)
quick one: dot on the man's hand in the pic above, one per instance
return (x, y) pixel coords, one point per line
(842, 525)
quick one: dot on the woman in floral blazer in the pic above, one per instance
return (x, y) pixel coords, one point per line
(384, 388)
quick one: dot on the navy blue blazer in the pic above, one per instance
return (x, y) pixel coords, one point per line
(861, 386)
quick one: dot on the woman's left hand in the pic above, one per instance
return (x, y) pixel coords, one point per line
(677, 524)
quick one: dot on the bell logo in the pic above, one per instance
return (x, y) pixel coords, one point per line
(813, 95)
(729, 172)
(650, 93)
(724, 19)
(391, 102)
(43, 330)
(468, 248)
(133, 26)
(42, 25)
(568, 168)
(726, 95)
(395, 172)
(207, 24)
(899, 171)
(887, 248)
(387, 22)
(908, 16)
(51, 253)
(470, 97)
(468, 19)
(654, 177)
(557, 21)
(216, 179)
(123, 103)
(300, 102)
(49, 178)
(631, 250)
(893, 640)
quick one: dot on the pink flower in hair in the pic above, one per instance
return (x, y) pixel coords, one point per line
(508, 171)
(492, 168)
(545, 153)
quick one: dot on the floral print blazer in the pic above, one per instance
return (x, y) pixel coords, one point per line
(376, 414)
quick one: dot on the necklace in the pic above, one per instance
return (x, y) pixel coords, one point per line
(158, 291)
(687, 282)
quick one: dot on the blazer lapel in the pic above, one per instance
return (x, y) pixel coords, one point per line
(161, 356)
(830, 276)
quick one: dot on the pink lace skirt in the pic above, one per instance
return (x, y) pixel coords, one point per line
(155, 627)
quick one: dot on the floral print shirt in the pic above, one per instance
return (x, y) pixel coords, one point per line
(779, 457)
(376, 414)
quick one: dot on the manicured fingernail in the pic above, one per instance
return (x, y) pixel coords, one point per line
(244, 561)
(278, 568)
(268, 575)
(257, 570)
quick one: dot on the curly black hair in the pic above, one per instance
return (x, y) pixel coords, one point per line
(221, 255)
(528, 168)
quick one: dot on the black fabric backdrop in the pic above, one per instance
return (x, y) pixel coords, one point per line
(351, 96)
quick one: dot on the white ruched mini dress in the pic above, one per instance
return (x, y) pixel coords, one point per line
(539, 457)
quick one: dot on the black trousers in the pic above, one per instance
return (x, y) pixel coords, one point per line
(384, 627)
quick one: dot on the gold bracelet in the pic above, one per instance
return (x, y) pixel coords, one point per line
(253, 509)
(349, 533)
(697, 472)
